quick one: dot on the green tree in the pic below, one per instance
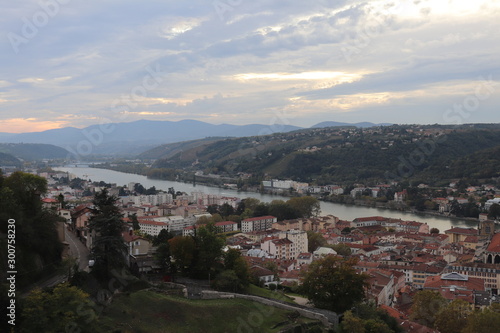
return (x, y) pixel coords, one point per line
(37, 242)
(332, 283)
(108, 248)
(453, 317)
(315, 240)
(434, 231)
(352, 324)
(135, 222)
(341, 249)
(494, 211)
(64, 309)
(426, 306)
(209, 246)
(305, 206)
(482, 321)
(182, 249)
(227, 280)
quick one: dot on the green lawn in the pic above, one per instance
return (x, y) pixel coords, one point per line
(263, 292)
(147, 311)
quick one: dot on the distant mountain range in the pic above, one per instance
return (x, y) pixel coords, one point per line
(136, 137)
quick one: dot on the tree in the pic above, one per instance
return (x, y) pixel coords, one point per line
(332, 283)
(282, 210)
(453, 317)
(182, 249)
(235, 262)
(482, 321)
(226, 209)
(262, 209)
(228, 281)
(434, 231)
(352, 324)
(315, 240)
(426, 306)
(305, 206)
(65, 308)
(342, 249)
(135, 222)
(209, 246)
(108, 248)
(494, 212)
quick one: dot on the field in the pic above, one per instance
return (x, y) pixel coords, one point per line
(147, 311)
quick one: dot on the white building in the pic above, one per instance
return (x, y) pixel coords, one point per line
(258, 223)
(299, 240)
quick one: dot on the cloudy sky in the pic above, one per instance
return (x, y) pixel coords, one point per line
(77, 63)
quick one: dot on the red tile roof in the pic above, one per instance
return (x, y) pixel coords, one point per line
(219, 224)
(259, 218)
(462, 231)
(495, 244)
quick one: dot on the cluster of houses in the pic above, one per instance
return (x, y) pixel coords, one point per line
(400, 257)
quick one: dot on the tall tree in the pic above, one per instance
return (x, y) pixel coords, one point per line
(453, 317)
(182, 249)
(315, 240)
(305, 206)
(64, 309)
(209, 246)
(426, 306)
(108, 248)
(332, 283)
(482, 321)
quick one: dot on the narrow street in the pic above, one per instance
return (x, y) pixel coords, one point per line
(77, 250)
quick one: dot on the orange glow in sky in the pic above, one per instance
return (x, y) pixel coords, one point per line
(24, 125)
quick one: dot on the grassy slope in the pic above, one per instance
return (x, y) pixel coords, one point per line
(146, 311)
(263, 292)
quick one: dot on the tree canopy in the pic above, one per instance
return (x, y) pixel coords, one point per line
(332, 283)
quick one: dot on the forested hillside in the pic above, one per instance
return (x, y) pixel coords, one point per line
(33, 151)
(9, 160)
(332, 155)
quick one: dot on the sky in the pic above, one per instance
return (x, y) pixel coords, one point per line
(78, 63)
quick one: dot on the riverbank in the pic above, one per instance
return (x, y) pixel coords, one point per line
(342, 211)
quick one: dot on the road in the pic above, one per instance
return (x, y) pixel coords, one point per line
(77, 250)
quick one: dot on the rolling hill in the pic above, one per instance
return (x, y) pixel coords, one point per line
(9, 160)
(133, 138)
(330, 155)
(32, 151)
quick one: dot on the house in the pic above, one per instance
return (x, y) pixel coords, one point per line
(65, 213)
(136, 245)
(489, 273)
(80, 217)
(304, 258)
(258, 223)
(226, 226)
(280, 248)
(290, 277)
(381, 284)
(299, 240)
(492, 253)
(459, 234)
(323, 252)
(455, 286)
(262, 274)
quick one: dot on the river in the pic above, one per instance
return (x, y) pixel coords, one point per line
(344, 212)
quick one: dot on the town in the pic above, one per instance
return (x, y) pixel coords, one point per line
(400, 258)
